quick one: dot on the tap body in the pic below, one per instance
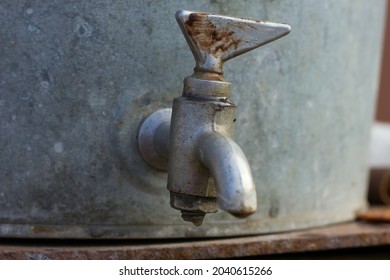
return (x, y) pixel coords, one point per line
(207, 169)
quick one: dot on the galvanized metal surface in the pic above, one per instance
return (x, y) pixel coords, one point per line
(78, 77)
(349, 235)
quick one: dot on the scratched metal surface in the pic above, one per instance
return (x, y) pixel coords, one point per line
(77, 78)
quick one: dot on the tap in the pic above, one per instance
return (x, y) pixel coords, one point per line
(193, 141)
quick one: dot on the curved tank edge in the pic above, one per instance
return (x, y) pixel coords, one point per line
(184, 231)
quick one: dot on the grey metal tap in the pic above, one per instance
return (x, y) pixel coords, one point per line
(207, 170)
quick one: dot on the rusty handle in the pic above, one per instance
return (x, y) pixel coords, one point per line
(214, 39)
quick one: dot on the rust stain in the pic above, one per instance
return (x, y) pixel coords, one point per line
(349, 235)
(42, 229)
(242, 26)
(208, 37)
(255, 20)
(202, 75)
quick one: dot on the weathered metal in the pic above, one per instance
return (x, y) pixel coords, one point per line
(78, 78)
(206, 167)
(348, 235)
(214, 39)
(153, 139)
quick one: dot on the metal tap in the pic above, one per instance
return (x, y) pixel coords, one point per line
(207, 170)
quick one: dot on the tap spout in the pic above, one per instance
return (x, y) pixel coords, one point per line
(230, 169)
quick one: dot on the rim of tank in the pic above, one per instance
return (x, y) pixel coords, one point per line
(184, 230)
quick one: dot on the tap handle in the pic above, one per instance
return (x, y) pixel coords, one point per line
(214, 39)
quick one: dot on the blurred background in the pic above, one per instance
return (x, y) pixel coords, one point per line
(383, 110)
(380, 145)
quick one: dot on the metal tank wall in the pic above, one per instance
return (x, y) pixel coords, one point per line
(78, 77)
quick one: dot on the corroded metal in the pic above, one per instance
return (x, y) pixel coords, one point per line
(214, 39)
(349, 235)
